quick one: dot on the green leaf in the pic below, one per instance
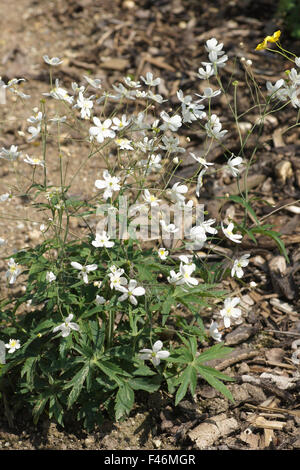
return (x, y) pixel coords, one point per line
(144, 370)
(29, 369)
(214, 382)
(39, 407)
(90, 413)
(188, 376)
(215, 352)
(145, 383)
(56, 410)
(124, 401)
(77, 383)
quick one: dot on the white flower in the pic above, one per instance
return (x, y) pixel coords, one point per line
(149, 80)
(229, 311)
(275, 91)
(214, 332)
(22, 95)
(232, 163)
(152, 164)
(34, 131)
(172, 123)
(207, 73)
(186, 206)
(297, 61)
(155, 354)
(34, 161)
(198, 235)
(10, 154)
(186, 259)
(147, 145)
(170, 228)
(206, 224)
(150, 198)
(201, 160)
(120, 124)
(294, 77)
(186, 270)
(67, 326)
(213, 128)
(177, 192)
(101, 131)
(131, 291)
(174, 278)
(131, 83)
(13, 271)
(50, 276)
(37, 118)
(59, 93)
(184, 99)
(124, 144)
(238, 264)
(117, 280)
(212, 45)
(141, 94)
(171, 144)
(97, 284)
(54, 61)
(208, 93)
(100, 300)
(114, 269)
(13, 345)
(200, 181)
(157, 98)
(84, 270)
(229, 234)
(216, 60)
(85, 105)
(76, 88)
(5, 197)
(162, 253)
(109, 183)
(95, 83)
(192, 112)
(14, 81)
(122, 92)
(292, 93)
(102, 240)
(58, 119)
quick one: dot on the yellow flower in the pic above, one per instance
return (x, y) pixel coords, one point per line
(274, 38)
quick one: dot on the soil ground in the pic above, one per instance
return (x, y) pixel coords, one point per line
(109, 39)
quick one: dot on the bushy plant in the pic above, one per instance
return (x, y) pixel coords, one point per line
(120, 310)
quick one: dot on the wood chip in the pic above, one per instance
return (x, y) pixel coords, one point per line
(271, 409)
(277, 137)
(250, 438)
(282, 306)
(160, 63)
(115, 64)
(208, 432)
(268, 437)
(261, 422)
